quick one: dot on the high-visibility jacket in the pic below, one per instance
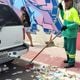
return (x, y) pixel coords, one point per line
(71, 21)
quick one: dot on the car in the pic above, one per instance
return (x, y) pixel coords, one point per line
(12, 35)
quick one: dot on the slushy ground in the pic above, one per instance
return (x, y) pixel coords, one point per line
(17, 71)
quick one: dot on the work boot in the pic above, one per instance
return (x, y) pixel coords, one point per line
(69, 66)
(65, 61)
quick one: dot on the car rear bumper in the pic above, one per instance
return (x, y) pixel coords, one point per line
(12, 53)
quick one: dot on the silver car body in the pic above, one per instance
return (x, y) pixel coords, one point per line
(11, 35)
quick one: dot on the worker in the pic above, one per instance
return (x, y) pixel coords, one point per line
(69, 30)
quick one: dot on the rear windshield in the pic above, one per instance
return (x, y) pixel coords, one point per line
(8, 17)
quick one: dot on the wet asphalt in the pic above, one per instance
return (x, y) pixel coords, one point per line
(16, 71)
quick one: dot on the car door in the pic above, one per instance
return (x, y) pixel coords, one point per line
(11, 29)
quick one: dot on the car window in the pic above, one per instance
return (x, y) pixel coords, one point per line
(8, 17)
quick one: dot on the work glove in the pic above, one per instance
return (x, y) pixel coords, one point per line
(60, 6)
(63, 28)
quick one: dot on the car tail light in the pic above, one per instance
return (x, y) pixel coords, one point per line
(23, 33)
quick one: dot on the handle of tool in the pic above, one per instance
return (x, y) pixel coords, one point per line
(45, 47)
